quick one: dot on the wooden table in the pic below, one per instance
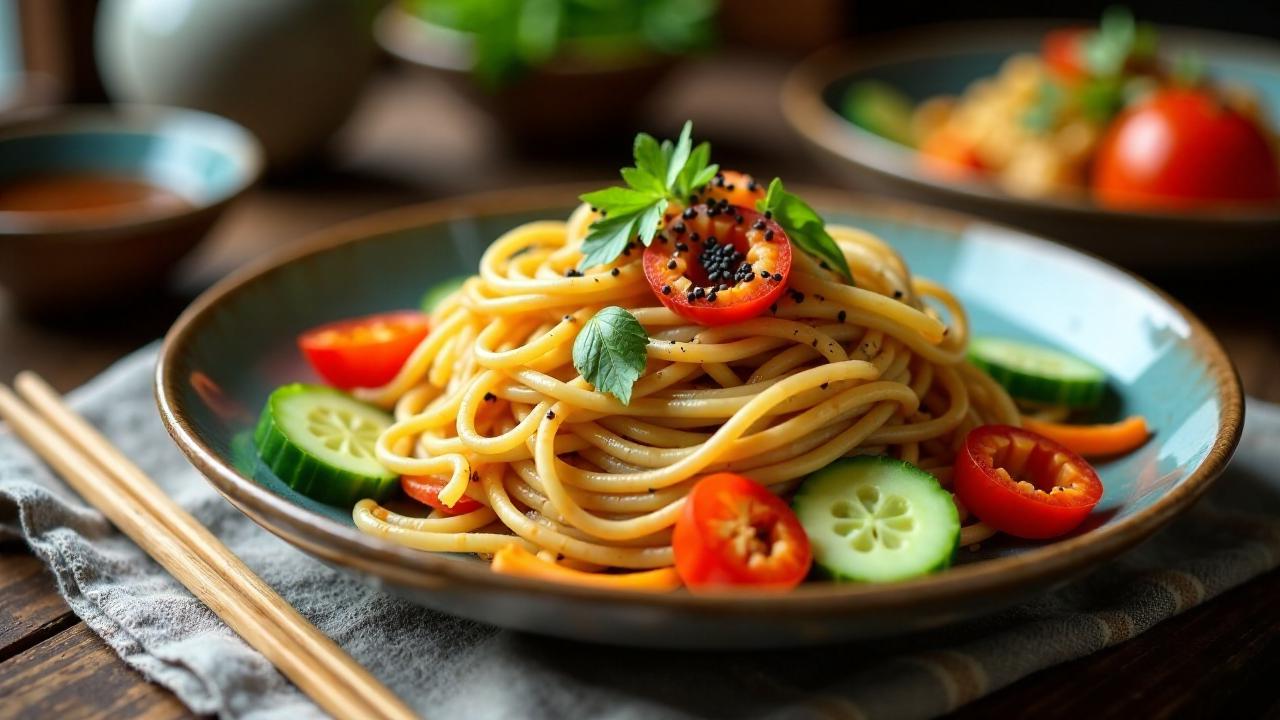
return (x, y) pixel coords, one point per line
(411, 140)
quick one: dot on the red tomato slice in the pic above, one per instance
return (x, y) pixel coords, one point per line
(1024, 484)
(426, 490)
(1063, 52)
(1183, 148)
(365, 351)
(734, 532)
(719, 264)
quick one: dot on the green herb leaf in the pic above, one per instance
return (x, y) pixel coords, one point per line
(804, 226)
(698, 171)
(679, 155)
(610, 352)
(663, 172)
(1119, 38)
(619, 200)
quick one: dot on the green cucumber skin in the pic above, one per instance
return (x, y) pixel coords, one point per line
(307, 474)
(432, 298)
(824, 571)
(1074, 393)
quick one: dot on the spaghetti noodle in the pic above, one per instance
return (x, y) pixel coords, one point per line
(491, 403)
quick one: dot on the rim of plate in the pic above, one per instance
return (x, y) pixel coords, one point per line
(348, 546)
(807, 112)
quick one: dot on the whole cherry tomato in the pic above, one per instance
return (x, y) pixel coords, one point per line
(1182, 148)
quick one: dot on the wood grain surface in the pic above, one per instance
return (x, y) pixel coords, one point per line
(411, 140)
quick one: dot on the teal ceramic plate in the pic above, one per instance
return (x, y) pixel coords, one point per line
(236, 343)
(944, 60)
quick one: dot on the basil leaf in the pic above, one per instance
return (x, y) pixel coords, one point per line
(610, 352)
(805, 227)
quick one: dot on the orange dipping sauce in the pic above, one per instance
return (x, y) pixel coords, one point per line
(86, 198)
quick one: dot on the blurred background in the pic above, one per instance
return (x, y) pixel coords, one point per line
(352, 107)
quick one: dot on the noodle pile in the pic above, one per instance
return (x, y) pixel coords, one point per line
(490, 401)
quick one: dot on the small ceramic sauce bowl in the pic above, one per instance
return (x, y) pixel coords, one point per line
(71, 261)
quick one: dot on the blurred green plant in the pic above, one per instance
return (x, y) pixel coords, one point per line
(512, 37)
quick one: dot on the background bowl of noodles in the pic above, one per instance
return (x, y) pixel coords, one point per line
(944, 60)
(237, 342)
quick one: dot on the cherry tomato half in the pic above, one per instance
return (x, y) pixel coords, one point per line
(426, 490)
(366, 351)
(733, 531)
(1183, 148)
(1024, 484)
(719, 264)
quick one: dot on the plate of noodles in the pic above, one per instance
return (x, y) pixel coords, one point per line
(1150, 146)
(698, 409)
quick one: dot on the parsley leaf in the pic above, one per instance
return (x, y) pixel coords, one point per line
(804, 226)
(663, 172)
(610, 352)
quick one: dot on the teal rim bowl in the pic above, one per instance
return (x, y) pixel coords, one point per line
(944, 60)
(65, 262)
(237, 342)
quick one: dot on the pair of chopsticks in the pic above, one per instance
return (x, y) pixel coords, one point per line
(109, 481)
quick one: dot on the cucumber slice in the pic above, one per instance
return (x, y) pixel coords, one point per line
(438, 292)
(877, 519)
(1039, 374)
(320, 442)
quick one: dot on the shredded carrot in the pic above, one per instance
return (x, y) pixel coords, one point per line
(515, 560)
(1094, 440)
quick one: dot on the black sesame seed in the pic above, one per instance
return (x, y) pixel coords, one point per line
(751, 185)
(824, 386)
(490, 397)
(689, 214)
(823, 264)
(573, 272)
(758, 224)
(768, 214)
(737, 219)
(897, 293)
(679, 228)
(777, 277)
(699, 292)
(671, 264)
(768, 234)
(841, 315)
(712, 296)
(666, 289)
(681, 247)
(551, 414)
(615, 272)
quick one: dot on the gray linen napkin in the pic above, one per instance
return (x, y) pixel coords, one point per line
(446, 667)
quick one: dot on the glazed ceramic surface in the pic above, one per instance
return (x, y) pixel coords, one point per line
(236, 343)
(944, 61)
(205, 159)
(289, 70)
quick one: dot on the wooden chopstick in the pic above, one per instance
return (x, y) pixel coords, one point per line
(169, 534)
